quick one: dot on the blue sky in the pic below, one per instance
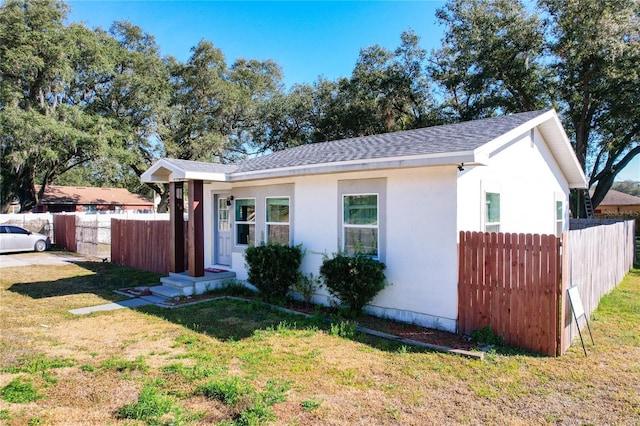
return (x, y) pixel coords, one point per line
(307, 39)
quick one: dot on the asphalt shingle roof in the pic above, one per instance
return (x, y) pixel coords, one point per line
(617, 198)
(450, 138)
(90, 195)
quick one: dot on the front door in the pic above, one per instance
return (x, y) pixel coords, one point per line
(223, 237)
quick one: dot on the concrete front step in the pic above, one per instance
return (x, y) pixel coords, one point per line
(181, 284)
(177, 282)
(166, 291)
(208, 276)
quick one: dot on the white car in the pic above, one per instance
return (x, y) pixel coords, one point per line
(14, 238)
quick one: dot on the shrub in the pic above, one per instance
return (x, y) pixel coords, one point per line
(306, 286)
(273, 268)
(355, 280)
(486, 336)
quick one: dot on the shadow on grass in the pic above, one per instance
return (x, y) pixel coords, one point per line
(101, 281)
(225, 320)
(235, 320)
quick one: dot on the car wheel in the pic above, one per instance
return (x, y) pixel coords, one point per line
(40, 245)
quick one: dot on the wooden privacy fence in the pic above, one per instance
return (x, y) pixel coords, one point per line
(143, 244)
(517, 283)
(64, 231)
(511, 282)
(598, 253)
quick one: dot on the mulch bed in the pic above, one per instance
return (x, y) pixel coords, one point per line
(404, 330)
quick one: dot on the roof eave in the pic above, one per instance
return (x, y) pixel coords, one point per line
(467, 158)
(164, 171)
(548, 123)
(561, 149)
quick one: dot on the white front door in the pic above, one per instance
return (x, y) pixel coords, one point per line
(223, 232)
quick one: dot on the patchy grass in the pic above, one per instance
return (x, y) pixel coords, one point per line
(232, 362)
(20, 391)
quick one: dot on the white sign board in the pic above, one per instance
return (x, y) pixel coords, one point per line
(576, 302)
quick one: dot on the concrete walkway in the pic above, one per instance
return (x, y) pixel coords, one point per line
(128, 303)
(16, 260)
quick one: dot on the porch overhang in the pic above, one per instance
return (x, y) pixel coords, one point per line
(171, 170)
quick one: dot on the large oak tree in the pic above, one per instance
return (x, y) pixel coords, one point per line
(582, 57)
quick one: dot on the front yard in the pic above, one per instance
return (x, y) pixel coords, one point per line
(234, 362)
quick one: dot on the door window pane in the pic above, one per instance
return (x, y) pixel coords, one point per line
(223, 215)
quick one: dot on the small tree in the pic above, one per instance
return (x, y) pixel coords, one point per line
(274, 268)
(355, 280)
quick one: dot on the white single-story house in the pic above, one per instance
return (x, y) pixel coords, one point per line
(402, 197)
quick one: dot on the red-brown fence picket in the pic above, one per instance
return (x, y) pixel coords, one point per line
(142, 244)
(511, 282)
(64, 231)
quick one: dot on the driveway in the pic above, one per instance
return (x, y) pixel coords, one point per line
(14, 260)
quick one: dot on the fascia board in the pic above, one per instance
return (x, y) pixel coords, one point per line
(578, 185)
(561, 148)
(497, 143)
(204, 176)
(466, 157)
(551, 128)
(164, 171)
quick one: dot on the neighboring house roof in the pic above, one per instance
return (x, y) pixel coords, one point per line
(82, 195)
(617, 198)
(470, 142)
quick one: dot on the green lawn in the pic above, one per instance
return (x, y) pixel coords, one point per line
(233, 362)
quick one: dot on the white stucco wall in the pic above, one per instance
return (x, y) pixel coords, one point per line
(529, 182)
(423, 211)
(420, 248)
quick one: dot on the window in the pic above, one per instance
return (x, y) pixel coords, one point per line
(277, 220)
(492, 212)
(559, 218)
(360, 224)
(223, 215)
(245, 221)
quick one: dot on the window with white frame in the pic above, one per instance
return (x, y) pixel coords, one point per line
(277, 220)
(559, 217)
(360, 224)
(492, 212)
(245, 219)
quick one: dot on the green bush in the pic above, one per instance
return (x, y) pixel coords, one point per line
(274, 268)
(355, 280)
(486, 336)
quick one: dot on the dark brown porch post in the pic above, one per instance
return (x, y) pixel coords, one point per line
(196, 229)
(176, 217)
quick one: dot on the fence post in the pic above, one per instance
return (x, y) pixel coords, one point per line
(565, 275)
